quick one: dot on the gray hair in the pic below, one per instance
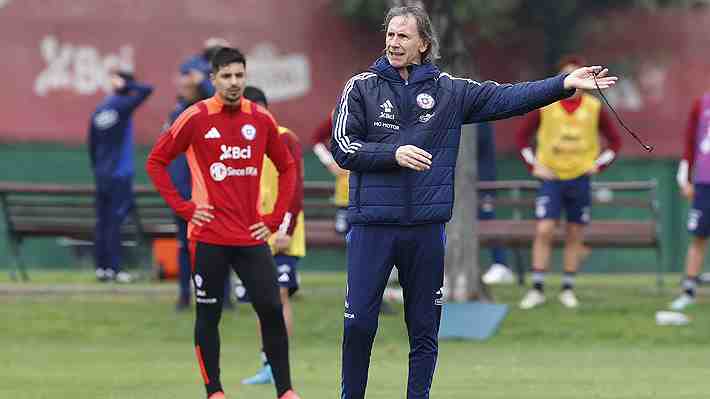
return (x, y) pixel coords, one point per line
(424, 27)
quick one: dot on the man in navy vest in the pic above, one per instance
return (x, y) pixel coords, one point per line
(111, 154)
(397, 129)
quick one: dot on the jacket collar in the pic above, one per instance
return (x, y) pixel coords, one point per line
(417, 73)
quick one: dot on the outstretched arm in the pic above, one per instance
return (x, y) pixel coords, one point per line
(491, 100)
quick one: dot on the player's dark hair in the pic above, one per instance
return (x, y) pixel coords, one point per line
(255, 94)
(127, 76)
(225, 56)
(571, 59)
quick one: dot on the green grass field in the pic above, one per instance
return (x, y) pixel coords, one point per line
(78, 343)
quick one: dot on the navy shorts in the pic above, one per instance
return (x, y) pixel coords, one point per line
(574, 195)
(699, 213)
(286, 276)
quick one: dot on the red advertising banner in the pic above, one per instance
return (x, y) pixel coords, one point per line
(56, 55)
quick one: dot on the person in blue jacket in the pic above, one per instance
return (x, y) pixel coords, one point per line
(397, 129)
(499, 272)
(111, 155)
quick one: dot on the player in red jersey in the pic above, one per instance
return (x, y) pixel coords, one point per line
(225, 139)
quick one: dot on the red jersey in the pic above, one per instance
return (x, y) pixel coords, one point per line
(691, 133)
(324, 132)
(225, 147)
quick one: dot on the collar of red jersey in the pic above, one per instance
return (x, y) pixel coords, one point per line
(219, 105)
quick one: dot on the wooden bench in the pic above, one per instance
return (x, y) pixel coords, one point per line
(52, 210)
(47, 210)
(517, 232)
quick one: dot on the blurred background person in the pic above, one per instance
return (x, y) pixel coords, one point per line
(288, 243)
(198, 68)
(499, 272)
(694, 180)
(567, 154)
(112, 162)
(321, 147)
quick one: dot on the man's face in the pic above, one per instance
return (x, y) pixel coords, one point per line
(403, 45)
(117, 82)
(229, 82)
(186, 88)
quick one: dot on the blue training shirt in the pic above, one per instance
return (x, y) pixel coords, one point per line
(111, 132)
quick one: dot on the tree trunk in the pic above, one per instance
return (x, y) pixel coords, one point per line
(462, 269)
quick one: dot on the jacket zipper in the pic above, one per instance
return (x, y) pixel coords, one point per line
(407, 173)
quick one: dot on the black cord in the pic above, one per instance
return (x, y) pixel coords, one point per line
(645, 146)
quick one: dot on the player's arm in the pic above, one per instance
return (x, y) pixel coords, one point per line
(686, 164)
(613, 139)
(138, 93)
(279, 154)
(321, 143)
(348, 145)
(524, 137)
(171, 143)
(296, 206)
(489, 100)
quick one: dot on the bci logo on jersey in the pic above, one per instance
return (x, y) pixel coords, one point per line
(234, 152)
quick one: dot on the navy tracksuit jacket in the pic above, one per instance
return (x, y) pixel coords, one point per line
(111, 154)
(398, 214)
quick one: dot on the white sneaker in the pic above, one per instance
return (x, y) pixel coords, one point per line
(123, 277)
(101, 274)
(682, 302)
(532, 299)
(499, 274)
(568, 299)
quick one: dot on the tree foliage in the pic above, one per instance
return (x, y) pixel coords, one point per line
(562, 22)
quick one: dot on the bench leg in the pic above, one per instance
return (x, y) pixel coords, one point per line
(17, 265)
(519, 266)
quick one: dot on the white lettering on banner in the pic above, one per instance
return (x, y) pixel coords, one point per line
(234, 152)
(78, 68)
(282, 77)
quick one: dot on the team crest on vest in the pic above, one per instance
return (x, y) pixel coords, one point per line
(425, 101)
(249, 132)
